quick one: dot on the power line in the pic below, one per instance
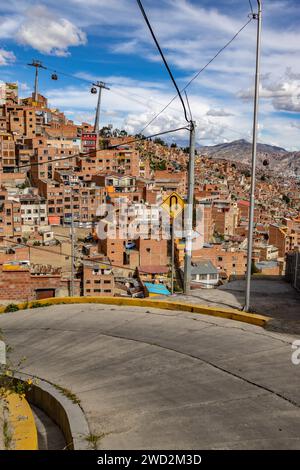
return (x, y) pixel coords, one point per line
(218, 53)
(252, 11)
(166, 106)
(75, 257)
(128, 96)
(198, 73)
(163, 57)
(93, 151)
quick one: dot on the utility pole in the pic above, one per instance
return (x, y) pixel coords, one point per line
(258, 17)
(72, 234)
(99, 85)
(189, 216)
(172, 253)
(38, 65)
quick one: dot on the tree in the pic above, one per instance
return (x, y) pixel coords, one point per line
(286, 199)
(105, 131)
(162, 165)
(160, 141)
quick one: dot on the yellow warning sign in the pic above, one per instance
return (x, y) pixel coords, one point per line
(173, 204)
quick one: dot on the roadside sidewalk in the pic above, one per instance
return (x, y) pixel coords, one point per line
(276, 299)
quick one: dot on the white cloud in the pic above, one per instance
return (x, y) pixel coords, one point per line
(24, 87)
(6, 57)
(283, 93)
(8, 26)
(49, 34)
(190, 34)
(218, 113)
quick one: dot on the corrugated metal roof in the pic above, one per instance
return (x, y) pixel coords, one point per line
(204, 267)
(157, 288)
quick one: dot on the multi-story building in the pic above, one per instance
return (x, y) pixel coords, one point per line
(98, 279)
(123, 160)
(82, 200)
(33, 211)
(7, 153)
(228, 261)
(286, 236)
(10, 216)
(225, 217)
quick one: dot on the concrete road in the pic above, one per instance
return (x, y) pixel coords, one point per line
(275, 298)
(163, 379)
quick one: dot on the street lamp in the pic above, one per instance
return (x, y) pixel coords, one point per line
(258, 17)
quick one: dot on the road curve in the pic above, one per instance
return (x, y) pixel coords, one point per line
(150, 378)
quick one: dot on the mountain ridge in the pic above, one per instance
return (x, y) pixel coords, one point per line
(274, 158)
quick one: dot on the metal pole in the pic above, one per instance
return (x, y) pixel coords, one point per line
(173, 254)
(189, 214)
(37, 64)
(257, 16)
(72, 247)
(36, 83)
(100, 85)
(97, 117)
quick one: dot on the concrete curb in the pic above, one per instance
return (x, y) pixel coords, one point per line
(231, 314)
(22, 423)
(67, 415)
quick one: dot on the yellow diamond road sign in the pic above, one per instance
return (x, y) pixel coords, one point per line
(174, 205)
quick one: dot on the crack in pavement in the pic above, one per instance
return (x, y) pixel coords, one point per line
(215, 366)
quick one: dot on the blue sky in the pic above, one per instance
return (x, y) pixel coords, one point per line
(109, 41)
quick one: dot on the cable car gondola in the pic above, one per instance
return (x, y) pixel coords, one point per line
(54, 76)
(93, 90)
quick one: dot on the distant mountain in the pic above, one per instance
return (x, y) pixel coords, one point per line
(279, 159)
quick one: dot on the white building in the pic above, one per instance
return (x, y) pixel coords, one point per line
(33, 212)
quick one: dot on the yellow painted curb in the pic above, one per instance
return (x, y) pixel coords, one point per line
(233, 314)
(21, 420)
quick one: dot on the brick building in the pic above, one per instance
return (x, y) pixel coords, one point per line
(18, 283)
(10, 215)
(98, 279)
(228, 262)
(7, 153)
(225, 217)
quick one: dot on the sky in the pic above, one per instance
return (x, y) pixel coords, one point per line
(88, 40)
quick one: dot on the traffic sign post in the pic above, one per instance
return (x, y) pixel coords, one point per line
(172, 255)
(174, 205)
